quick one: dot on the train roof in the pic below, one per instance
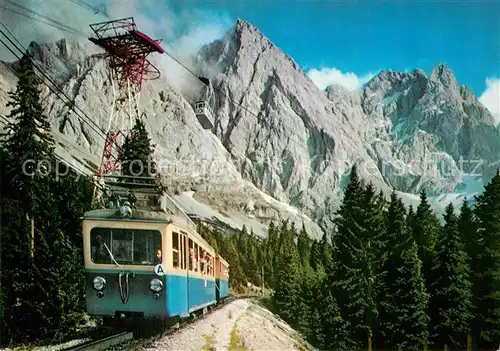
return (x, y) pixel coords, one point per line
(151, 208)
(223, 260)
(137, 215)
(200, 239)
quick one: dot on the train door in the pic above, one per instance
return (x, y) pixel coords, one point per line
(184, 263)
(177, 301)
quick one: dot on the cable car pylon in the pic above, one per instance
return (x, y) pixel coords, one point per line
(126, 50)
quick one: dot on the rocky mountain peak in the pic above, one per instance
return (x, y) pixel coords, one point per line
(419, 73)
(63, 49)
(335, 92)
(244, 26)
(466, 93)
(61, 58)
(443, 74)
(338, 94)
(440, 71)
(242, 45)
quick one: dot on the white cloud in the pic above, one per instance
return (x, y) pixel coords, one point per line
(491, 97)
(327, 76)
(183, 32)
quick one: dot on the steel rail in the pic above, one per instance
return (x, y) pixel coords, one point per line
(103, 344)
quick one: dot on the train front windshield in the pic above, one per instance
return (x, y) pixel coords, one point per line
(125, 246)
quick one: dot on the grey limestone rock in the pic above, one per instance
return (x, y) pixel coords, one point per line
(281, 147)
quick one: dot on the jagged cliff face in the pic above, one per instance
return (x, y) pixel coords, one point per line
(277, 133)
(190, 158)
(406, 131)
(285, 136)
(431, 128)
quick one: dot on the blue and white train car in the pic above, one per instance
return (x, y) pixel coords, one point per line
(146, 263)
(190, 275)
(221, 278)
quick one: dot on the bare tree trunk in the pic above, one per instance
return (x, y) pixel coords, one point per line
(469, 341)
(32, 236)
(445, 346)
(370, 342)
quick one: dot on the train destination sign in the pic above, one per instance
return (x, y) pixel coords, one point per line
(160, 270)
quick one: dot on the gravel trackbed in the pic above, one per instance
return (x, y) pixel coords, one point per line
(241, 325)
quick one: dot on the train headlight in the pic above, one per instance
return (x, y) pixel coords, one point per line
(156, 285)
(99, 283)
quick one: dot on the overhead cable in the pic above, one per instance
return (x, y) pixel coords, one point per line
(71, 105)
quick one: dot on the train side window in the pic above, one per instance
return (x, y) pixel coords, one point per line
(196, 258)
(191, 255)
(181, 248)
(175, 249)
(186, 250)
(205, 261)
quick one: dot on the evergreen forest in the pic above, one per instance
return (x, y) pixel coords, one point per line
(387, 278)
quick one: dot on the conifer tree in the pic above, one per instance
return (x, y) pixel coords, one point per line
(230, 252)
(45, 289)
(272, 249)
(307, 285)
(332, 333)
(316, 255)
(29, 141)
(346, 278)
(326, 252)
(410, 218)
(403, 299)
(358, 258)
(451, 287)
(425, 231)
(469, 235)
(284, 233)
(136, 154)
(373, 255)
(468, 232)
(253, 267)
(304, 248)
(29, 156)
(317, 306)
(487, 264)
(286, 298)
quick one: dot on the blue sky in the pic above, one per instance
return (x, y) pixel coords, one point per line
(365, 36)
(330, 39)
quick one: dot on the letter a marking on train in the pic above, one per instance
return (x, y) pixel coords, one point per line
(160, 270)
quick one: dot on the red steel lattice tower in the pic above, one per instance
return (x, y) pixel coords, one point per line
(126, 51)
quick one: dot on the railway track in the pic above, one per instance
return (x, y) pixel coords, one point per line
(127, 341)
(103, 344)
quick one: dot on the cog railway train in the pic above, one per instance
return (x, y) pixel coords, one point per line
(144, 263)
